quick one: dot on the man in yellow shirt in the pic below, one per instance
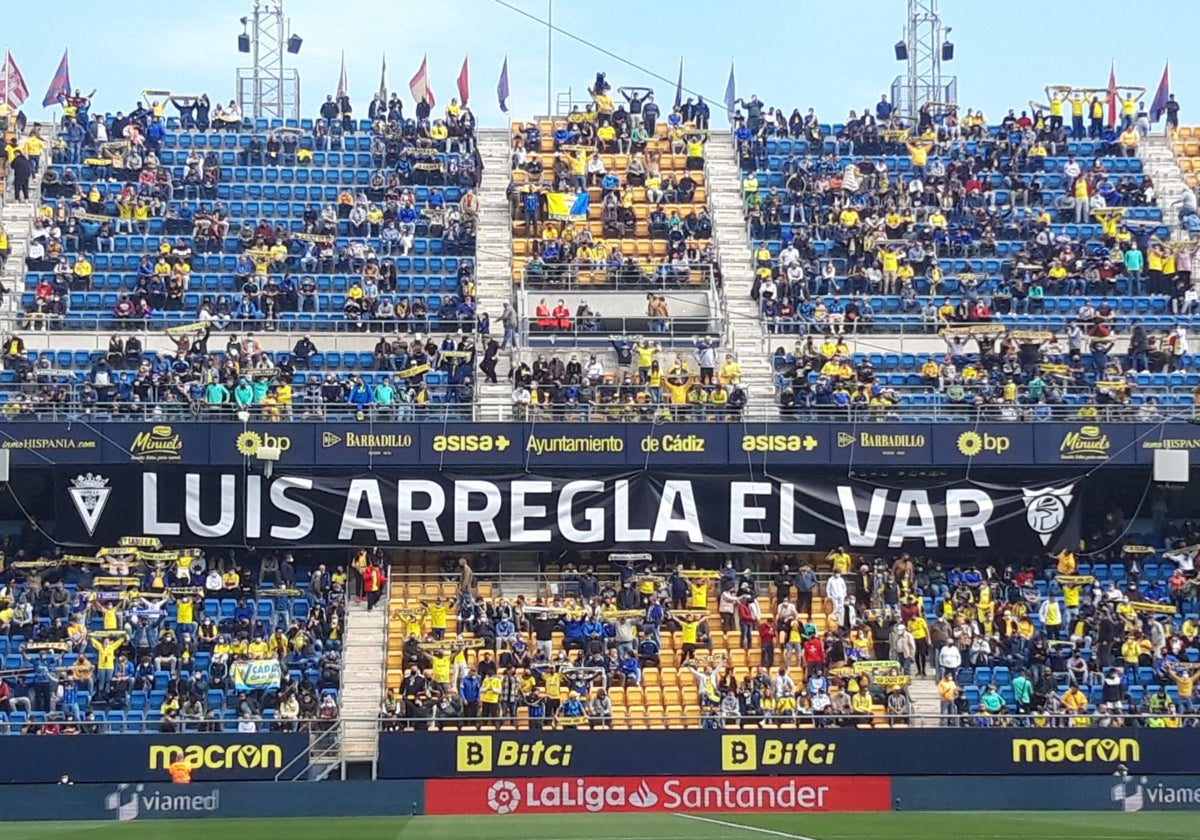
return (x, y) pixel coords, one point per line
(106, 652)
(437, 618)
(689, 631)
(489, 696)
(699, 593)
(839, 558)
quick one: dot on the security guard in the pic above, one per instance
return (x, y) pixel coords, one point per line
(180, 770)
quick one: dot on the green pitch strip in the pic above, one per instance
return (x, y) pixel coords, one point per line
(911, 826)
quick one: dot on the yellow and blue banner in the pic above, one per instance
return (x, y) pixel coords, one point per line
(256, 674)
(563, 207)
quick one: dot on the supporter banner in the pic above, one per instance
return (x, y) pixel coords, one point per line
(823, 752)
(663, 509)
(586, 446)
(129, 801)
(1123, 791)
(144, 758)
(562, 207)
(257, 674)
(656, 794)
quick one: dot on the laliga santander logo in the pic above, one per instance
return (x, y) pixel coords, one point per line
(503, 797)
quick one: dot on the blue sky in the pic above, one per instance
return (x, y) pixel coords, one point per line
(830, 56)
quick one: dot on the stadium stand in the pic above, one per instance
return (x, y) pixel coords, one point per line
(138, 641)
(609, 200)
(156, 223)
(1185, 142)
(1002, 235)
(830, 641)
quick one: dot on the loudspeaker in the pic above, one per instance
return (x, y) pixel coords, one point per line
(901, 51)
(947, 51)
(293, 44)
(1172, 465)
(244, 43)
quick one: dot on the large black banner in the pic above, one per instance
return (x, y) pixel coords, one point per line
(936, 752)
(664, 510)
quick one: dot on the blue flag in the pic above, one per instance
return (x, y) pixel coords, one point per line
(59, 85)
(502, 87)
(1159, 106)
(679, 85)
(730, 95)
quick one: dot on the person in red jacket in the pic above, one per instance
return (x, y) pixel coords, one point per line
(373, 581)
(542, 311)
(562, 316)
(814, 654)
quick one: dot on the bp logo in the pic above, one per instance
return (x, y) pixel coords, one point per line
(970, 444)
(248, 443)
(1046, 509)
(503, 797)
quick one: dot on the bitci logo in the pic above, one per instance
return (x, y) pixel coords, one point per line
(503, 797)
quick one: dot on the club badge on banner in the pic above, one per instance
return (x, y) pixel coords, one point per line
(256, 674)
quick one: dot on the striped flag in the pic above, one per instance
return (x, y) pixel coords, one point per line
(464, 82)
(12, 83)
(343, 88)
(1112, 95)
(730, 95)
(1161, 96)
(419, 85)
(502, 87)
(60, 85)
(679, 85)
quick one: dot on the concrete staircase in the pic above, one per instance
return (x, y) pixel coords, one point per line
(743, 331)
(923, 694)
(493, 261)
(364, 664)
(1158, 161)
(17, 218)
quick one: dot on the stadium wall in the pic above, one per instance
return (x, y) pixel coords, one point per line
(144, 758)
(984, 752)
(1077, 446)
(128, 801)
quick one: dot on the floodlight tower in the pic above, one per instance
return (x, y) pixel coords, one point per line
(926, 44)
(268, 89)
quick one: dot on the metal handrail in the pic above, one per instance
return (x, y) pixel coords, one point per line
(185, 726)
(684, 329)
(939, 410)
(286, 323)
(710, 717)
(566, 277)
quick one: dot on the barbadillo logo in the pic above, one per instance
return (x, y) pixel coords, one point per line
(1046, 509)
(90, 494)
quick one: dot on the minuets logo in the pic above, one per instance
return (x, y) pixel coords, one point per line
(161, 443)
